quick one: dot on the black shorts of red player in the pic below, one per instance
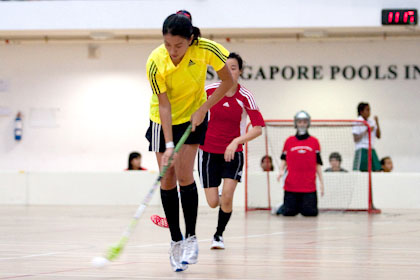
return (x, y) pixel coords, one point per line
(212, 168)
(300, 203)
(156, 138)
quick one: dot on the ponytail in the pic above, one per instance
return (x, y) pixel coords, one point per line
(196, 34)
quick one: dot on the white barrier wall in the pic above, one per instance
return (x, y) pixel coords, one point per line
(13, 188)
(391, 191)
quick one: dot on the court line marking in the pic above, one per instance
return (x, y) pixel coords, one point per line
(239, 237)
(165, 244)
(45, 254)
(361, 237)
(149, 245)
(49, 274)
(135, 277)
(325, 263)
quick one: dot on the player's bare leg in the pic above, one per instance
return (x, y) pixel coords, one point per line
(212, 196)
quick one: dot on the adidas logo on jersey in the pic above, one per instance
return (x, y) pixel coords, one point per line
(226, 104)
(191, 63)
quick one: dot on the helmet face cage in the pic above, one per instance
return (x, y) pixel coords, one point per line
(302, 115)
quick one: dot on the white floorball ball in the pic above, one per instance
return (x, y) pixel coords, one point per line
(99, 262)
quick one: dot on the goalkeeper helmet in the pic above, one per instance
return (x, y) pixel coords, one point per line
(302, 115)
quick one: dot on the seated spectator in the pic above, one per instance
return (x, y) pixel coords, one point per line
(267, 163)
(386, 164)
(335, 163)
(134, 161)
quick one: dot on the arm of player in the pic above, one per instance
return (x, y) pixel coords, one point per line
(253, 133)
(165, 113)
(283, 165)
(227, 82)
(321, 178)
(359, 130)
(358, 137)
(378, 130)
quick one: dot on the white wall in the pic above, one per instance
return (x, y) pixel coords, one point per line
(149, 14)
(103, 103)
(103, 106)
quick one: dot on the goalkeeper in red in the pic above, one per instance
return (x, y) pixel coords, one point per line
(221, 156)
(300, 163)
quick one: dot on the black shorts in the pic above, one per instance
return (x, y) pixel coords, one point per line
(156, 138)
(303, 203)
(213, 168)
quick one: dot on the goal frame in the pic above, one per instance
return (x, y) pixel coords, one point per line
(370, 209)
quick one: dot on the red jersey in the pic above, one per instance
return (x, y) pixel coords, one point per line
(301, 158)
(227, 119)
(141, 169)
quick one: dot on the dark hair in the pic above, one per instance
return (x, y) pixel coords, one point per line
(180, 24)
(271, 161)
(361, 107)
(132, 156)
(384, 159)
(335, 155)
(238, 58)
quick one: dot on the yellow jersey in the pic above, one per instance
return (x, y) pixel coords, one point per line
(184, 83)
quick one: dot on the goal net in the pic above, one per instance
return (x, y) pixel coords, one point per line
(344, 191)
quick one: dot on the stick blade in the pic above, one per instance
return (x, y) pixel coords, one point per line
(159, 221)
(115, 251)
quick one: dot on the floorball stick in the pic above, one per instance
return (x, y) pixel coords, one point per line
(115, 250)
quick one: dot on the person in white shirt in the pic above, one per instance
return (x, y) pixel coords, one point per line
(361, 139)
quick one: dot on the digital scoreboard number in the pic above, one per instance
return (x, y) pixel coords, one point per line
(399, 17)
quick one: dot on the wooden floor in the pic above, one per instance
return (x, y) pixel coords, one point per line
(59, 242)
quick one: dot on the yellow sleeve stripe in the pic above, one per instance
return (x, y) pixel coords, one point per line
(152, 78)
(214, 49)
(214, 46)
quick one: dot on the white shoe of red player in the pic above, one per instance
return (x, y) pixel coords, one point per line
(217, 243)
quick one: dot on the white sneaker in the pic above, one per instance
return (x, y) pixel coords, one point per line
(217, 243)
(190, 250)
(175, 256)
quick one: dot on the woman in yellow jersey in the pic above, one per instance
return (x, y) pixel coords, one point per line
(177, 72)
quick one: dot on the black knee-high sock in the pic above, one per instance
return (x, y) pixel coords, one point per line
(222, 222)
(170, 203)
(189, 201)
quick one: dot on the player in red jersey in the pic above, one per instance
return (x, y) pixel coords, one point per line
(221, 156)
(302, 158)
